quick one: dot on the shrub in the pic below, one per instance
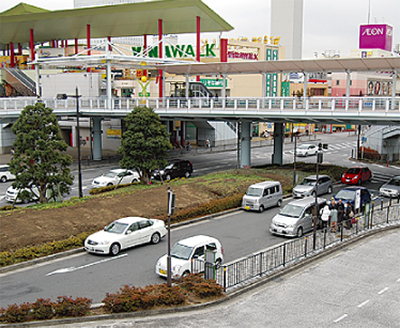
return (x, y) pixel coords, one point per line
(43, 309)
(15, 313)
(8, 208)
(195, 283)
(68, 307)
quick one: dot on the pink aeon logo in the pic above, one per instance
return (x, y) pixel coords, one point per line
(373, 31)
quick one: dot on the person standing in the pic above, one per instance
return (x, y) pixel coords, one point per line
(325, 216)
(340, 213)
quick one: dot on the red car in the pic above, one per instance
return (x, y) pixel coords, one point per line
(357, 175)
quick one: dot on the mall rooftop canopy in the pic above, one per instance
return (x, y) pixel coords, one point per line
(287, 66)
(132, 19)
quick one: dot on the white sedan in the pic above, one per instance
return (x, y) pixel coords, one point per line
(306, 149)
(21, 196)
(124, 233)
(115, 177)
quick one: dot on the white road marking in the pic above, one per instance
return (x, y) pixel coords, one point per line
(398, 280)
(71, 269)
(363, 303)
(341, 318)
(383, 290)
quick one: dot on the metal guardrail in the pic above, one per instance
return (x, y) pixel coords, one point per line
(330, 104)
(268, 261)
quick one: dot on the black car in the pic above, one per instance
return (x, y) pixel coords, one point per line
(175, 169)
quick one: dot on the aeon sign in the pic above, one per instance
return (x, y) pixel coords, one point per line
(376, 36)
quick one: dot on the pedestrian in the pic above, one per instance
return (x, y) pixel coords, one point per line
(208, 143)
(348, 215)
(334, 215)
(12, 152)
(325, 216)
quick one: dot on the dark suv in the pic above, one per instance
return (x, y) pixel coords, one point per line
(175, 169)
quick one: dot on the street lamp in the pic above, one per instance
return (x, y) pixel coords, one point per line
(76, 96)
(319, 161)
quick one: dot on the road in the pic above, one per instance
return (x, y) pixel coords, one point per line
(241, 233)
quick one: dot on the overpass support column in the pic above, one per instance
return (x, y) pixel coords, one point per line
(348, 81)
(97, 151)
(277, 157)
(394, 77)
(245, 145)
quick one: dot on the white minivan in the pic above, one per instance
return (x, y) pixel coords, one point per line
(296, 217)
(262, 195)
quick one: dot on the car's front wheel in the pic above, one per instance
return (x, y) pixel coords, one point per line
(299, 232)
(359, 182)
(329, 190)
(155, 238)
(109, 184)
(279, 203)
(114, 249)
(168, 177)
(187, 174)
(261, 209)
(3, 179)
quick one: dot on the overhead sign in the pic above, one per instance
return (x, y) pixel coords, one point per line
(376, 36)
(179, 51)
(214, 83)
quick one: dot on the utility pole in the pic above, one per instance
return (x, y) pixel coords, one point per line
(171, 209)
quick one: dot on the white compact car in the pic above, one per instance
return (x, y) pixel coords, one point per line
(306, 149)
(186, 250)
(115, 177)
(5, 173)
(14, 195)
(125, 233)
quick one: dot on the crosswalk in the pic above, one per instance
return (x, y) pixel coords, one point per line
(332, 148)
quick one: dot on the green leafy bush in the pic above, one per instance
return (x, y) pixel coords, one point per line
(15, 313)
(43, 309)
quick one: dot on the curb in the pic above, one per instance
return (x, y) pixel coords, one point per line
(296, 266)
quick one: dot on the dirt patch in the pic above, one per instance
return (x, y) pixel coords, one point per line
(29, 227)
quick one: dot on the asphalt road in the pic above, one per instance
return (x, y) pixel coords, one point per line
(93, 276)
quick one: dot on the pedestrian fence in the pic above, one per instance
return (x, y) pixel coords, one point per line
(266, 262)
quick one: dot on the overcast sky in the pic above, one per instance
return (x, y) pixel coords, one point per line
(328, 25)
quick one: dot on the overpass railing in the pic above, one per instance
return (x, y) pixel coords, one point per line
(351, 104)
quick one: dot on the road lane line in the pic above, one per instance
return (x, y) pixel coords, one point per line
(341, 318)
(398, 280)
(363, 303)
(72, 269)
(383, 290)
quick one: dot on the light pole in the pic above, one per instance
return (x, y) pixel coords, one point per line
(319, 160)
(171, 209)
(76, 96)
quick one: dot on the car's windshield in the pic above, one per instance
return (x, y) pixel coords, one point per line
(304, 146)
(116, 227)
(255, 192)
(307, 182)
(353, 171)
(110, 175)
(170, 166)
(181, 251)
(291, 210)
(346, 194)
(394, 182)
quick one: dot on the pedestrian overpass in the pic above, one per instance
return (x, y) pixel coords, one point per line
(327, 110)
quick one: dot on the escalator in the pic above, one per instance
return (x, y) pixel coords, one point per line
(21, 84)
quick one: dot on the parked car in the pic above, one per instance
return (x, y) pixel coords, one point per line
(262, 195)
(16, 195)
(348, 194)
(357, 175)
(5, 173)
(115, 177)
(296, 217)
(186, 250)
(307, 186)
(124, 233)
(391, 188)
(175, 169)
(306, 149)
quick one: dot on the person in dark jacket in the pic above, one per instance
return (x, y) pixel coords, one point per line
(340, 212)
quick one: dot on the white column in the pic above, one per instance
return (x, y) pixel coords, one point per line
(109, 85)
(37, 76)
(348, 80)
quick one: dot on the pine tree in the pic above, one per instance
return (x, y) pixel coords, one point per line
(39, 163)
(145, 143)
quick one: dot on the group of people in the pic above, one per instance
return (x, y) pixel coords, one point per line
(337, 214)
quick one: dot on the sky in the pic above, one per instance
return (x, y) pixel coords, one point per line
(327, 25)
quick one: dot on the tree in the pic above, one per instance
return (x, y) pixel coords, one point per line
(39, 164)
(145, 143)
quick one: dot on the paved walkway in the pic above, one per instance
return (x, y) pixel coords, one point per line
(358, 286)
